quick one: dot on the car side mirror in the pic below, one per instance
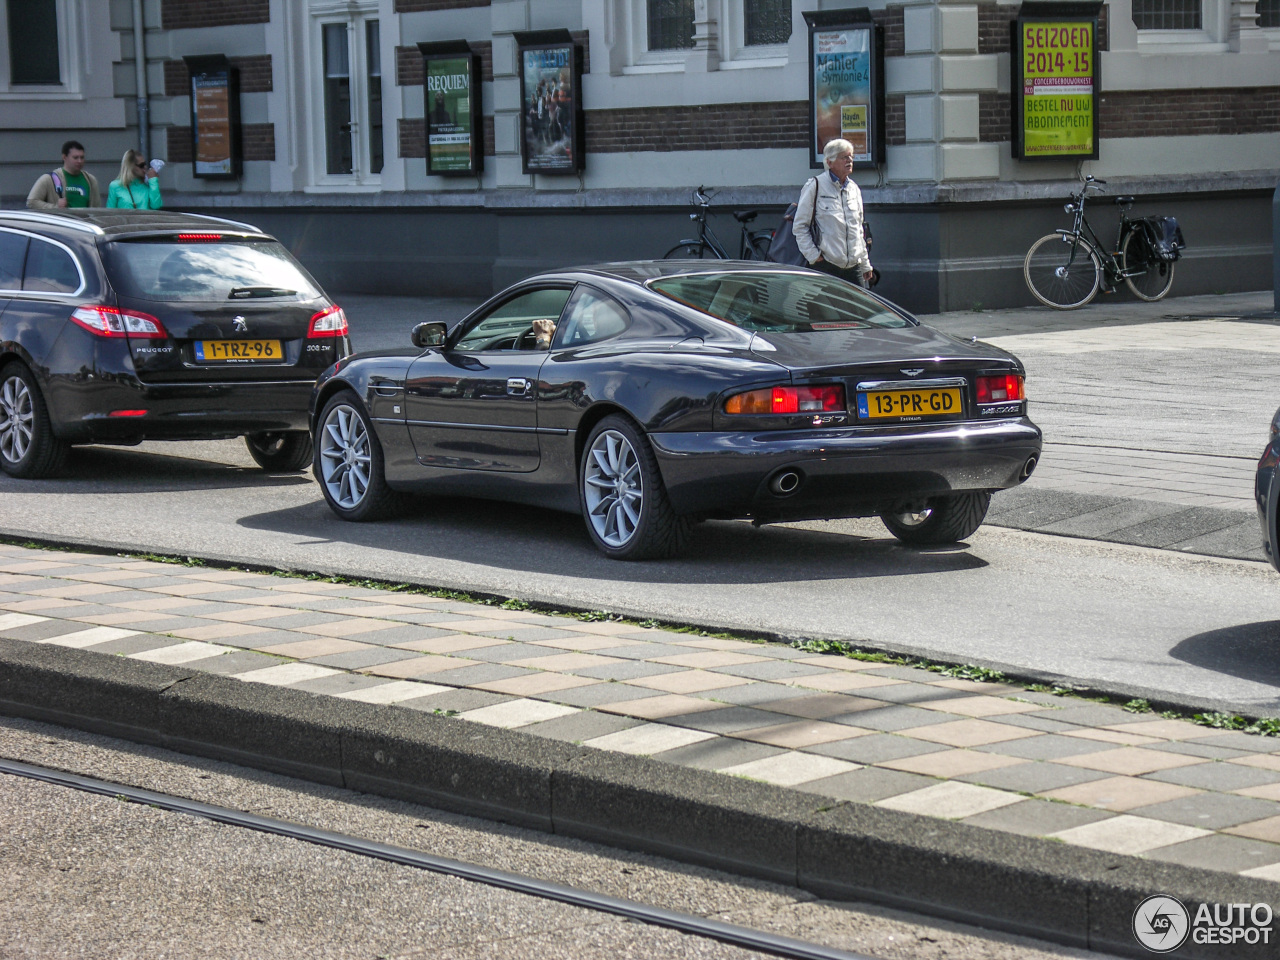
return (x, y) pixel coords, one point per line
(429, 334)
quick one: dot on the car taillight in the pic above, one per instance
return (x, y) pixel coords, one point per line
(328, 323)
(110, 322)
(1000, 389)
(787, 400)
(199, 237)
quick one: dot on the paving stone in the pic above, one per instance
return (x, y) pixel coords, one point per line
(690, 682)
(341, 683)
(1047, 747)
(1120, 793)
(455, 700)
(230, 664)
(1213, 811)
(480, 673)
(291, 621)
(285, 674)
(599, 694)
(1036, 818)
(1033, 777)
(1219, 852)
(877, 748)
(1087, 715)
(136, 644)
(867, 785)
(642, 651)
(179, 654)
(951, 799)
(1249, 742)
(266, 638)
(1035, 722)
(912, 674)
(389, 691)
(718, 752)
(1201, 749)
(790, 769)
(953, 764)
(1128, 834)
(1215, 775)
(1267, 829)
(1177, 527)
(1107, 520)
(819, 706)
(543, 685)
(516, 713)
(753, 694)
(526, 634)
(911, 693)
(648, 739)
(38, 628)
(357, 659)
(628, 670)
(892, 717)
(766, 670)
(725, 720)
(581, 726)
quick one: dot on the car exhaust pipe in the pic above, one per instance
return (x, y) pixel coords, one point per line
(1027, 467)
(785, 483)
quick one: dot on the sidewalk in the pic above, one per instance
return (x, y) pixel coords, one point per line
(987, 754)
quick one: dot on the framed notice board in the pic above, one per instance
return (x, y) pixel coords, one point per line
(451, 98)
(551, 118)
(215, 117)
(1055, 75)
(846, 84)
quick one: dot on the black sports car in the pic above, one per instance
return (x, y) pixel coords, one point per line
(650, 395)
(121, 326)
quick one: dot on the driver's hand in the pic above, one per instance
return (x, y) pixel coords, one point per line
(543, 331)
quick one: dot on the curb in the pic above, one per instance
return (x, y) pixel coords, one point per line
(1024, 885)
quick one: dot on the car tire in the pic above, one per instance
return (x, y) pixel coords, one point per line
(28, 448)
(348, 462)
(939, 520)
(280, 451)
(624, 501)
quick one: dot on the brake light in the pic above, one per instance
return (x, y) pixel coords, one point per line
(199, 237)
(787, 399)
(1000, 389)
(110, 322)
(328, 323)
(127, 413)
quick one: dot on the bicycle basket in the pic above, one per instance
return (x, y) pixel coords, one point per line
(1164, 237)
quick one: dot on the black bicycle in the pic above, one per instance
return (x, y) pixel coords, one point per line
(1067, 268)
(753, 244)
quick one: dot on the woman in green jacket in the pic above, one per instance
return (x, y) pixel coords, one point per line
(138, 187)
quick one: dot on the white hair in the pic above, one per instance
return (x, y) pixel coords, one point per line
(833, 149)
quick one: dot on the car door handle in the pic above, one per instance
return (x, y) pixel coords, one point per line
(518, 386)
(385, 388)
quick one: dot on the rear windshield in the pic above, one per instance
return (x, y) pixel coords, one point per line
(229, 270)
(781, 302)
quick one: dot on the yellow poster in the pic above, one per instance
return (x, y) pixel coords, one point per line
(1057, 89)
(853, 127)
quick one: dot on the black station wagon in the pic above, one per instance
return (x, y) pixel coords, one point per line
(123, 326)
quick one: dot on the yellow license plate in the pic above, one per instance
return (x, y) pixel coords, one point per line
(909, 404)
(222, 351)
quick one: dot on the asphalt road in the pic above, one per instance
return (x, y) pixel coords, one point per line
(92, 876)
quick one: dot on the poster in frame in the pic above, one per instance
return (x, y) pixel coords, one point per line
(451, 98)
(551, 117)
(846, 84)
(215, 117)
(1055, 76)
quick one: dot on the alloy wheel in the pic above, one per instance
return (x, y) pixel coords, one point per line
(614, 488)
(345, 457)
(17, 419)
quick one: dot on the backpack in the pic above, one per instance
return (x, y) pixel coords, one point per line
(783, 247)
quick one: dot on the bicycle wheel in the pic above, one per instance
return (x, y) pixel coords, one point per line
(1062, 271)
(760, 246)
(689, 251)
(1156, 276)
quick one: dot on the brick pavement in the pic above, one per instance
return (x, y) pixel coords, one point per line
(995, 755)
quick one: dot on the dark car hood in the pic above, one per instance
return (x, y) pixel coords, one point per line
(841, 348)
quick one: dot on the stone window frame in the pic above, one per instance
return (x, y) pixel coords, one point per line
(730, 47)
(1215, 18)
(70, 64)
(356, 13)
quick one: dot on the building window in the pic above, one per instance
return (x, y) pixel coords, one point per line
(346, 93)
(337, 99)
(33, 42)
(1167, 14)
(670, 24)
(766, 22)
(373, 69)
(1269, 13)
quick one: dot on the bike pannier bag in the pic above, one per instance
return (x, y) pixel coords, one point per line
(783, 247)
(1165, 237)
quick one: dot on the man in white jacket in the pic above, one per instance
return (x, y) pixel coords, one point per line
(841, 249)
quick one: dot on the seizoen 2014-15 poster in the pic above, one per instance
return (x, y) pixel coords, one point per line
(842, 89)
(1057, 89)
(549, 105)
(449, 115)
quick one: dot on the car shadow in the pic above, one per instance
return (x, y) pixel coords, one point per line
(1250, 651)
(147, 471)
(529, 539)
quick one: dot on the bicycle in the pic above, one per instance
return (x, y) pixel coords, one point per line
(752, 245)
(1065, 269)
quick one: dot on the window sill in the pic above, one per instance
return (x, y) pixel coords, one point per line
(344, 187)
(749, 63)
(640, 68)
(1178, 41)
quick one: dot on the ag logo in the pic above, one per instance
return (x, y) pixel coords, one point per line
(1161, 924)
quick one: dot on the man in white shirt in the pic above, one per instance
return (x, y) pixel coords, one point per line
(841, 249)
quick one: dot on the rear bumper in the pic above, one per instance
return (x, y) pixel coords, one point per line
(847, 472)
(181, 411)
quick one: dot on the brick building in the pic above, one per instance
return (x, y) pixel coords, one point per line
(1188, 121)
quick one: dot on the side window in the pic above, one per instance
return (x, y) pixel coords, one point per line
(50, 269)
(510, 326)
(591, 317)
(13, 251)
